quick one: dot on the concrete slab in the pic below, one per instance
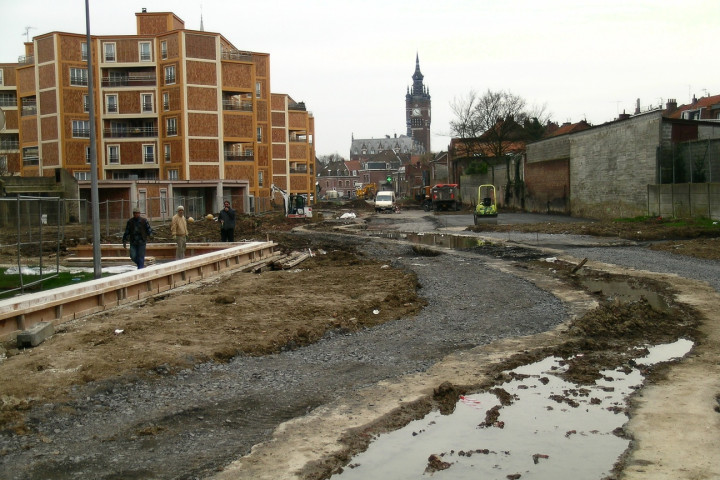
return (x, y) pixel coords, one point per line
(35, 335)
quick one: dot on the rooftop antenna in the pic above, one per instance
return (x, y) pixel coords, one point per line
(27, 33)
(202, 27)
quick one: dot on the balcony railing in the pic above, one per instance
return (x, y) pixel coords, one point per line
(147, 107)
(26, 59)
(31, 160)
(130, 81)
(9, 145)
(238, 106)
(8, 101)
(236, 55)
(28, 110)
(112, 108)
(81, 133)
(239, 156)
(130, 132)
(149, 158)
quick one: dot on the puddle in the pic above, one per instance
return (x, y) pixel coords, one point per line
(552, 429)
(625, 291)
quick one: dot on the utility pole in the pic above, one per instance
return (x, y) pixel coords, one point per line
(94, 201)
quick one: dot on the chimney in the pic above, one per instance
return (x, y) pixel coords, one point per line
(144, 10)
(671, 105)
(623, 116)
(637, 107)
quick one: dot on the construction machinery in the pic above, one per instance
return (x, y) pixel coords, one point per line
(486, 209)
(445, 196)
(366, 191)
(294, 205)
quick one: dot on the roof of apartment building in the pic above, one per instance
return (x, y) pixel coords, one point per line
(370, 146)
(710, 104)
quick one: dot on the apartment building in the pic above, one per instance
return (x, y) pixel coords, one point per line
(178, 113)
(9, 132)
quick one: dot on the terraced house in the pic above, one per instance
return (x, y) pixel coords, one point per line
(178, 113)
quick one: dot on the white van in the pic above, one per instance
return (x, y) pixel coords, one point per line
(385, 200)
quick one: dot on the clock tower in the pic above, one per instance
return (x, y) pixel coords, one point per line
(417, 109)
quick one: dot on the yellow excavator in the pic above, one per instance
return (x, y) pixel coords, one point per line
(486, 209)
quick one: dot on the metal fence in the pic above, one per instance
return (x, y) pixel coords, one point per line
(31, 231)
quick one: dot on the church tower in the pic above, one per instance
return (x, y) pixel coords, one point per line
(417, 109)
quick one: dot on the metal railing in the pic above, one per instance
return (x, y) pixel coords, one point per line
(130, 132)
(129, 81)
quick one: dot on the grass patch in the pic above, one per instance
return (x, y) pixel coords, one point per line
(50, 281)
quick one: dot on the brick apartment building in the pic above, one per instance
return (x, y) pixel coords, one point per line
(178, 113)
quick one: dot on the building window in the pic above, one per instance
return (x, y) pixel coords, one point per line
(171, 127)
(259, 134)
(170, 75)
(31, 156)
(78, 77)
(260, 178)
(163, 201)
(166, 152)
(258, 89)
(111, 103)
(87, 155)
(172, 175)
(2, 82)
(109, 49)
(163, 50)
(86, 103)
(3, 165)
(81, 128)
(146, 99)
(113, 153)
(145, 55)
(166, 101)
(84, 51)
(148, 153)
(82, 175)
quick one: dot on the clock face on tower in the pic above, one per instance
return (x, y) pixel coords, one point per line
(416, 112)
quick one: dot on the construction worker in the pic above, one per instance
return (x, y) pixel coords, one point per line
(137, 231)
(179, 230)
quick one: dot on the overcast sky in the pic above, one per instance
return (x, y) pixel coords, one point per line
(351, 62)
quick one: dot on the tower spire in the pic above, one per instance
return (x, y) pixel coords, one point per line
(202, 27)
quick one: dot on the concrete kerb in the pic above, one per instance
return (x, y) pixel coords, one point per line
(73, 301)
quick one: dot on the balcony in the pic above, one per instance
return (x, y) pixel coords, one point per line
(236, 55)
(127, 78)
(130, 132)
(26, 60)
(246, 156)
(243, 106)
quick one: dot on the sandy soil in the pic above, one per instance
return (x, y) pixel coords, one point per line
(275, 317)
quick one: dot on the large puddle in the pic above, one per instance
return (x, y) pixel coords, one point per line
(549, 429)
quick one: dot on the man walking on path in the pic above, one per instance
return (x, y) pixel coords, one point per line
(226, 217)
(179, 230)
(137, 231)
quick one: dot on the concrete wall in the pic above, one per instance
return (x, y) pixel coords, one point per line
(684, 200)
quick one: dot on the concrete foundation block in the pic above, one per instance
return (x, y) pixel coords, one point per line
(35, 335)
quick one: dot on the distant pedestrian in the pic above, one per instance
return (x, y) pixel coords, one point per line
(137, 231)
(179, 230)
(226, 217)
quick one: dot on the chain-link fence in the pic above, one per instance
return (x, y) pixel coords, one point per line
(31, 231)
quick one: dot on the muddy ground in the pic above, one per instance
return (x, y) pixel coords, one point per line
(257, 315)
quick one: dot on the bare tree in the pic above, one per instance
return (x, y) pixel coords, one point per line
(496, 125)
